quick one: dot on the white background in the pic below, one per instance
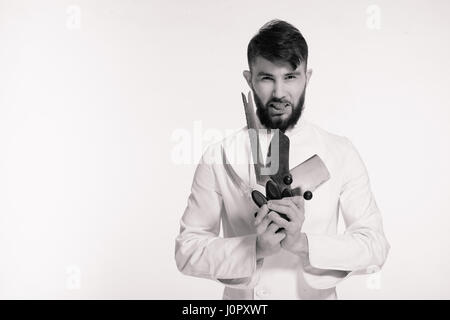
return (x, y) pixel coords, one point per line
(92, 92)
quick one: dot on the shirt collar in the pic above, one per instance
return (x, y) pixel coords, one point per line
(297, 128)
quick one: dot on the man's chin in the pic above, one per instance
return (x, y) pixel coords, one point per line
(279, 121)
(277, 124)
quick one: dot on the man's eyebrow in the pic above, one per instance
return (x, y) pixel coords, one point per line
(261, 74)
(294, 73)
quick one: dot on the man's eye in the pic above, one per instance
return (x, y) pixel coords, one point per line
(291, 77)
(266, 78)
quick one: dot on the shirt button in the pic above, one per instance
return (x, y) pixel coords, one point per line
(262, 292)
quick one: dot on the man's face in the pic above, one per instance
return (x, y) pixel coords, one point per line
(279, 92)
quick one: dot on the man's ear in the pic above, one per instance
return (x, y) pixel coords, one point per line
(248, 77)
(308, 75)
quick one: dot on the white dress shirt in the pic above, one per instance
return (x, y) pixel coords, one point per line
(215, 200)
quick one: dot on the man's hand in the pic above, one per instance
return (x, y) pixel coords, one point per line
(294, 209)
(268, 239)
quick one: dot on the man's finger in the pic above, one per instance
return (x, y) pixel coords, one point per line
(273, 227)
(290, 210)
(262, 227)
(280, 236)
(296, 200)
(262, 212)
(275, 217)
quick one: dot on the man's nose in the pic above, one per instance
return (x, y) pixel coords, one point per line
(278, 90)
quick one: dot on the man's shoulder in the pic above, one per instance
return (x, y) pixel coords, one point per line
(330, 140)
(339, 148)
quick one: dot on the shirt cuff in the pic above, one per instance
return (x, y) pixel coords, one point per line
(317, 273)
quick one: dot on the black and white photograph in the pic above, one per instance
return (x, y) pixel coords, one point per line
(224, 150)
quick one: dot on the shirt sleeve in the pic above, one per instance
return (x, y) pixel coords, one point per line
(200, 251)
(363, 247)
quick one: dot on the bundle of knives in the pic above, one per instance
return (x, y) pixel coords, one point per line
(275, 175)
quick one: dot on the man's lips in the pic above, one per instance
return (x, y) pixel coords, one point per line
(279, 105)
(278, 108)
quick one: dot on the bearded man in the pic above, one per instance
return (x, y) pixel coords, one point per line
(289, 249)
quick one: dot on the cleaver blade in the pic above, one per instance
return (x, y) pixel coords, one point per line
(310, 174)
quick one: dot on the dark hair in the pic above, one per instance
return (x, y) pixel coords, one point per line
(278, 40)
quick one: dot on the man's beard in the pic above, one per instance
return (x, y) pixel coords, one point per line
(266, 120)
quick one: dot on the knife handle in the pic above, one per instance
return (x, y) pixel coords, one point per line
(272, 190)
(259, 198)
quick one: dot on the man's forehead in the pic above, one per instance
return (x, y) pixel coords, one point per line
(262, 65)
